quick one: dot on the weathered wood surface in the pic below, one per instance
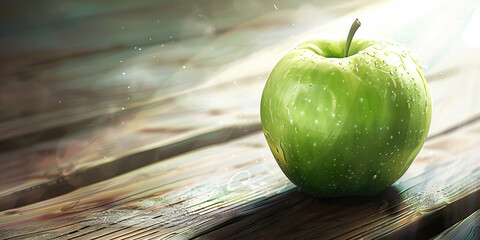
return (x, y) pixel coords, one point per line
(156, 103)
(236, 190)
(63, 127)
(213, 94)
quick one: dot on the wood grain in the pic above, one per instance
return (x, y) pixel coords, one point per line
(468, 228)
(236, 190)
(93, 133)
(79, 134)
(102, 115)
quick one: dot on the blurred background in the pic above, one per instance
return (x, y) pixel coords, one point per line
(87, 87)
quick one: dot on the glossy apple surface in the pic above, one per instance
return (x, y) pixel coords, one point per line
(342, 126)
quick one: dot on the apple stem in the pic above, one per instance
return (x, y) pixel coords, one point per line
(355, 25)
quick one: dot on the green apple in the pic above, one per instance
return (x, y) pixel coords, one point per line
(346, 117)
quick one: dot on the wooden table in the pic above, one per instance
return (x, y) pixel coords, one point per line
(140, 120)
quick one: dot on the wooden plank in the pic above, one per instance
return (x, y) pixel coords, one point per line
(19, 192)
(52, 53)
(236, 190)
(468, 228)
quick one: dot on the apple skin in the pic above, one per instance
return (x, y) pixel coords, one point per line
(346, 126)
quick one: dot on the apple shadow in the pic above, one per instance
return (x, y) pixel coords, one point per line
(295, 214)
(390, 200)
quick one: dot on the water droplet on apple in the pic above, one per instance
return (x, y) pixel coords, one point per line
(333, 114)
(356, 67)
(391, 73)
(361, 100)
(394, 96)
(382, 164)
(374, 177)
(316, 121)
(310, 85)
